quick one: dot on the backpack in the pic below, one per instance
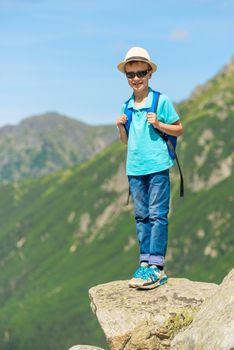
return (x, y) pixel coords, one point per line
(170, 140)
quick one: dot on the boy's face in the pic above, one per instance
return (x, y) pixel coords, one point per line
(137, 83)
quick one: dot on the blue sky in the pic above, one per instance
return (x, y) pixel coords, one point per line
(61, 55)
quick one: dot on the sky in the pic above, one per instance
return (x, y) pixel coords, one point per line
(61, 55)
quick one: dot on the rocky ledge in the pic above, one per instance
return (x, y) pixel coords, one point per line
(180, 315)
(213, 326)
(137, 319)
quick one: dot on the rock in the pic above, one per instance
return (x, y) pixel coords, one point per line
(85, 347)
(137, 319)
(213, 324)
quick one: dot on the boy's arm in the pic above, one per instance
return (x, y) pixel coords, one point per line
(174, 129)
(168, 121)
(122, 131)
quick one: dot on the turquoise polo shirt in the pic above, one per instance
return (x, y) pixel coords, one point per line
(147, 151)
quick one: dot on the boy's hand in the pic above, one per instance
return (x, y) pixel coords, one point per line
(152, 119)
(121, 120)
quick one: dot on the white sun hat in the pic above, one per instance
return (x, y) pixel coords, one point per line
(137, 54)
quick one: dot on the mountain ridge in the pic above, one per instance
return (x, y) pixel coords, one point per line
(45, 143)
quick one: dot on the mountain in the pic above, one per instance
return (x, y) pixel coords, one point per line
(46, 143)
(65, 232)
(56, 240)
(202, 225)
(207, 145)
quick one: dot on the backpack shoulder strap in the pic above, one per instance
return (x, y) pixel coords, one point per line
(171, 142)
(154, 106)
(128, 113)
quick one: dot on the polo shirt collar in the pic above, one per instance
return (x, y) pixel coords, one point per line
(148, 103)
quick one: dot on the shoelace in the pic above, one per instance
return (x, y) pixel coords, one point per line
(152, 273)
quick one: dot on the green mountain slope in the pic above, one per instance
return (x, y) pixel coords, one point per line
(65, 232)
(46, 143)
(208, 117)
(53, 251)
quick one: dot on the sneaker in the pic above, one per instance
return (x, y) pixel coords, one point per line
(152, 278)
(137, 280)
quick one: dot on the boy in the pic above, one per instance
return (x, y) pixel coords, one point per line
(147, 167)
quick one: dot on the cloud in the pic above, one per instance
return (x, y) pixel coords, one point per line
(179, 35)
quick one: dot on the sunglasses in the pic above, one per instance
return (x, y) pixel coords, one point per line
(139, 74)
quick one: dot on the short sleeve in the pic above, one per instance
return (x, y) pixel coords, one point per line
(166, 111)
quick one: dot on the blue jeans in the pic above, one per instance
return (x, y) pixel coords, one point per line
(151, 195)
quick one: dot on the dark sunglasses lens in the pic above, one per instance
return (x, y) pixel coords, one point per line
(140, 74)
(130, 75)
